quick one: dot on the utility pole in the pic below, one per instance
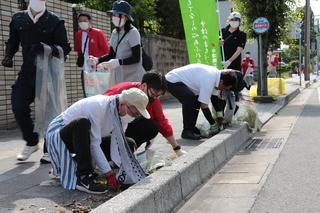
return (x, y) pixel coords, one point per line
(307, 41)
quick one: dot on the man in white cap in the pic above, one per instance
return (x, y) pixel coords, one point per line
(233, 42)
(78, 132)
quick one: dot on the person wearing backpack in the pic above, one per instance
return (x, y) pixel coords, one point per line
(124, 58)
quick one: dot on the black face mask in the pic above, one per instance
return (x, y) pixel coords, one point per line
(151, 100)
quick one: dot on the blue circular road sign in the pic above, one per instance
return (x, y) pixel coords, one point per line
(260, 25)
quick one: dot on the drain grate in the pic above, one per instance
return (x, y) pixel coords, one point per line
(271, 143)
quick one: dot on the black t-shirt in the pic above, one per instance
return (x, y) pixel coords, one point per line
(231, 42)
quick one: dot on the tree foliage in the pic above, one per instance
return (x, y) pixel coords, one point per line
(280, 14)
(161, 17)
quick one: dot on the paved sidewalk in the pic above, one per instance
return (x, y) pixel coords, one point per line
(30, 187)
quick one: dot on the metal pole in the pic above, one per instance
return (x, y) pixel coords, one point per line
(300, 59)
(307, 41)
(261, 70)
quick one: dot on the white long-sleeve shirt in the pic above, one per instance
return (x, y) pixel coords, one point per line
(95, 108)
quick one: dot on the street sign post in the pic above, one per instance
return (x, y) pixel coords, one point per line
(260, 26)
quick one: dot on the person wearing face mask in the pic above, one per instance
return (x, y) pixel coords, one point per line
(195, 91)
(31, 29)
(124, 59)
(89, 41)
(74, 141)
(247, 65)
(233, 42)
(143, 130)
(272, 63)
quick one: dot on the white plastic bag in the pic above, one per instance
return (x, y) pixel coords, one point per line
(151, 160)
(96, 81)
(50, 94)
(247, 113)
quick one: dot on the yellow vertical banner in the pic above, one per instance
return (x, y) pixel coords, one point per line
(201, 26)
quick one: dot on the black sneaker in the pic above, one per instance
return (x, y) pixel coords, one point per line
(88, 184)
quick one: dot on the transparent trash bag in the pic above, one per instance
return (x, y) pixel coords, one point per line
(151, 160)
(50, 93)
(247, 113)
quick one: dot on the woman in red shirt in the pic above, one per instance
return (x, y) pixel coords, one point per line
(248, 63)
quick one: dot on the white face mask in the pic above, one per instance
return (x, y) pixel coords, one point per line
(84, 25)
(247, 56)
(115, 21)
(126, 118)
(234, 24)
(37, 5)
(269, 53)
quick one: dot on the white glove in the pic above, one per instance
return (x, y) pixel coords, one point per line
(100, 67)
(92, 61)
(180, 152)
(111, 64)
(226, 64)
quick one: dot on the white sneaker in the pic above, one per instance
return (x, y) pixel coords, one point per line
(27, 151)
(45, 158)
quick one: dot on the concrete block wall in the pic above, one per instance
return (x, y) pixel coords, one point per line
(167, 53)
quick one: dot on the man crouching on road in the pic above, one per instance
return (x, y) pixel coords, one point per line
(74, 139)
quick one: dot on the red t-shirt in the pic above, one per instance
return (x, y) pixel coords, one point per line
(154, 109)
(244, 64)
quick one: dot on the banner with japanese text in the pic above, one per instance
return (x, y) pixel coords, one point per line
(201, 26)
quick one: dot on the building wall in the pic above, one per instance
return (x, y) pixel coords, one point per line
(167, 53)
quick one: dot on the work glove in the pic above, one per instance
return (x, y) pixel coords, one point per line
(92, 61)
(179, 151)
(111, 64)
(226, 64)
(7, 61)
(37, 48)
(214, 128)
(219, 118)
(112, 180)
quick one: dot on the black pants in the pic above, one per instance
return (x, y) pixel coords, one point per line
(106, 142)
(23, 94)
(189, 101)
(76, 136)
(142, 130)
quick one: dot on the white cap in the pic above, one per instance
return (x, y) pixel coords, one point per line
(137, 98)
(235, 15)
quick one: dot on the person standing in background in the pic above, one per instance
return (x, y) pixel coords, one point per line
(272, 63)
(233, 42)
(89, 41)
(124, 58)
(32, 28)
(247, 65)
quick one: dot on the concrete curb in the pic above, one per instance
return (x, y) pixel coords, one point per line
(169, 186)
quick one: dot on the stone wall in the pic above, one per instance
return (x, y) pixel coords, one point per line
(167, 53)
